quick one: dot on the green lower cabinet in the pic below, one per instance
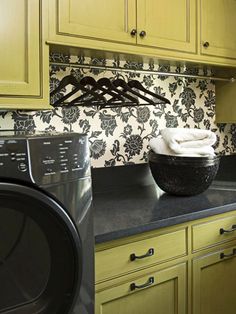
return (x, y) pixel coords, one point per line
(214, 277)
(162, 292)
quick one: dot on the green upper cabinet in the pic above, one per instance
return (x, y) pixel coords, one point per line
(23, 56)
(225, 102)
(185, 30)
(217, 28)
(107, 20)
(167, 24)
(130, 26)
(20, 56)
(164, 23)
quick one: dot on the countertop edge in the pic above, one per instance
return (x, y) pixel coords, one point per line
(167, 222)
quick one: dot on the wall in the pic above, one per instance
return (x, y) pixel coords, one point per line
(120, 136)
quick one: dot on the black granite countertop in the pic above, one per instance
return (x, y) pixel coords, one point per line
(128, 202)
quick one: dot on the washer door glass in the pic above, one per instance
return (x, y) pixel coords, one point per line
(39, 253)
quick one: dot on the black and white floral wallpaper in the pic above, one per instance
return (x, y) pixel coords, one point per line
(120, 136)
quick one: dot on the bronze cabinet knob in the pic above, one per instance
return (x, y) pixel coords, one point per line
(142, 34)
(133, 32)
(206, 44)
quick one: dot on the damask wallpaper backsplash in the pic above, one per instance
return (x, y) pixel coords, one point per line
(120, 136)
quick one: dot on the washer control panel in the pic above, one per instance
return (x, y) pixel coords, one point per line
(14, 158)
(45, 159)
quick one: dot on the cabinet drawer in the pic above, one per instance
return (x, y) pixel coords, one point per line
(132, 256)
(213, 232)
(158, 291)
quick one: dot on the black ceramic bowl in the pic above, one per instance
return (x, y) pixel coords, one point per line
(183, 175)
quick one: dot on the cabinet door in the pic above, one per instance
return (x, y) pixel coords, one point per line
(168, 24)
(19, 53)
(104, 19)
(218, 24)
(165, 295)
(214, 283)
(24, 67)
(225, 102)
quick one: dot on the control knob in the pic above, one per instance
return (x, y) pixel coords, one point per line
(22, 167)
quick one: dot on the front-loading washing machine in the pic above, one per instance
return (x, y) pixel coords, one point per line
(46, 224)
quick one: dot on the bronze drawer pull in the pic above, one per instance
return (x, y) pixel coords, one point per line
(222, 231)
(223, 255)
(133, 285)
(133, 257)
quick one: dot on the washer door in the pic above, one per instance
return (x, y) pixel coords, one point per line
(40, 253)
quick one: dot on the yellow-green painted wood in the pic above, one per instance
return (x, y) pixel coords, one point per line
(113, 294)
(207, 234)
(163, 44)
(19, 53)
(105, 19)
(226, 102)
(168, 24)
(167, 295)
(116, 261)
(214, 284)
(24, 75)
(217, 23)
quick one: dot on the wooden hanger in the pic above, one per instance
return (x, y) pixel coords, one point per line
(69, 80)
(119, 91)
(127, 88)
(87, 98)
(109, 88)
(117, 83)
(136, 84)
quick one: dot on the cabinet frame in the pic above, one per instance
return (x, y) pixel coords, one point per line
(34, 93)
(109, 48)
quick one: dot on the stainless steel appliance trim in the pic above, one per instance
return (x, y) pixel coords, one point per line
(150, 72)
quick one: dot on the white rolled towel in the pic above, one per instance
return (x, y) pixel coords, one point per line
(159, 146)
(184, 142)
